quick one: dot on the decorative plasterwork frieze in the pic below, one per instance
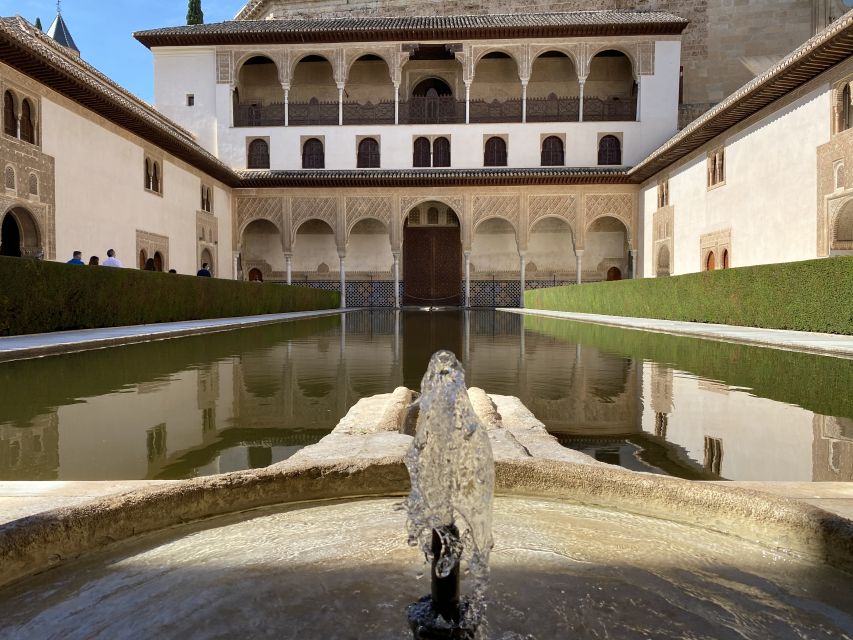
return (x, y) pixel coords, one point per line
(562, 206)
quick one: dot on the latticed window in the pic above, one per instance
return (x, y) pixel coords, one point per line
(415, 217)
(10, 115)
(421, 156)
(206, 201)
(10, 178)
(259, 154)
(432, 215)
(368, 154)
(441, 152)
(495, 153)
(609, 150)
(716, 167)
(313, 156)
(155, 177)
(34, 185)
(148, 173)
(663, 194)
(28, 128)
(552, 152)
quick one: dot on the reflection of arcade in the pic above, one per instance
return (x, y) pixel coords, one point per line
(30, 452)
(833, 449)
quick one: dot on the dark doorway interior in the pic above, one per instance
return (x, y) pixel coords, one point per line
(10, 237)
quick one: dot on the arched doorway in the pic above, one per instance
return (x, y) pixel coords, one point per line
(255, 275)
(614, 273)
(432, 256)
(607, 247)
(207, 258)
(19, 234)
(10, 237)
(710, 262)
(158, 261)
(260, 244)
(143, 258)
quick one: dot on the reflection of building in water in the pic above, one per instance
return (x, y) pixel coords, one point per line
(661, 383)
(833, 448)
(208, 394)
(30, 452)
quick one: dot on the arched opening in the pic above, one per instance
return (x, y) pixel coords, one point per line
(663, 266)
(147, 173)
(369, 92)
(609, 151)
(421, 153)
(313, 155)
(610, 92)
(261, 247)
(842, 229)
(550, 250)
(369, 255)
(258, 97)
(313, 96)
(432, 102)
(724, 263)
(259, 154)
(28, 127)
(552, 152)
(847, 108)
(441, 152)
(207, 258)
(432, 256)
(256, 275)
(143, 258)
(155, 177)
(314, 250)
(368, 154)
(553, 91)
(493, 248)
(496, 90)
(494, 153)
(614, 273)
(158, 261)
(10, 115)
(9, 178)
(710, 262)
(606, 246)
(10, 237)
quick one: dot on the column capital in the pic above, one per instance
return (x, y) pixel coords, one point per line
(285, 86)
(341, 85)
(582, 80)
(342, 254)
(524, 80)
(578, 252)
(467, 254)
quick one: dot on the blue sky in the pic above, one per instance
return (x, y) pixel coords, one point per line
(102, 30)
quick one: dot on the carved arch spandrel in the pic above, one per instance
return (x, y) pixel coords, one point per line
(368, 207)
(507, 207)
(304, 208)
(561, 206)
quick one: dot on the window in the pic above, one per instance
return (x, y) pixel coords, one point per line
(846, 108)
(368, 154)
(725, 264)
(495, 152)
(34, 185)
(415, 217)
(28, 128)
(259, 154)
(155, 177)
(609, 150)
(716, 167)
(710, 262)
(190, 100)
(421, 155)
(552, 152)
(432, 215)
(147, 173)
(10, 178)
(839, 175)
(663, 193)
(441, 152)
(10, 115)
(313, 156)
(206, 199)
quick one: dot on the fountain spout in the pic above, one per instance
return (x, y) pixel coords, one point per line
(449, 508)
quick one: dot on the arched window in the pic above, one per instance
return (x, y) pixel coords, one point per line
(441, 152)
(609, 150)
(143, 258)
(495, 153)
(155, 177)
(313, 156)
(847, 121)
(10, 115)
(34, 185)
(148, 173)
(710, 262)
(432, 215)
(725, 262)
(552, 152)
(10, 178)
(259, 154)
(28, 128)
(368, 154)
(421, 155)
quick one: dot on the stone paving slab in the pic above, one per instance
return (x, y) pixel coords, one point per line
(43, 344)
(820, 343)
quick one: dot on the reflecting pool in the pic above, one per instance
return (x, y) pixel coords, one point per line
(249, 398)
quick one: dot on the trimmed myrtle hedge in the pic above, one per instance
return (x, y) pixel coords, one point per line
(40, 296)
(816, 295)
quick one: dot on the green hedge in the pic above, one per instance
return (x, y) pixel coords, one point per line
(816, 295)
(39, 296)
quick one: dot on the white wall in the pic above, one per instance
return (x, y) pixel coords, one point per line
(101, 202)
(769, 197)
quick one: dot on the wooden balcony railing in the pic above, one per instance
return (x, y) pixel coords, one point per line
(429, 110)
(609, 110)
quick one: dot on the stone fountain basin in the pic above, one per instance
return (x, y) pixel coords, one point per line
(583, 550)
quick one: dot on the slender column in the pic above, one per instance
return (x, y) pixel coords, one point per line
(340, 103)
(524, 82)
(236, 258)
(396, 280)
(521, 271)
(289, 261)
(19, 126)
(579, 264)
(580, 104)
(343, 283)
(468, 102)
(396, 103)
(639, 95)
(286, 103)
(467, 279)
(633, 254)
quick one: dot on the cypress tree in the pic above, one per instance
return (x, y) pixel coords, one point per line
(38, 24)
(194, 13)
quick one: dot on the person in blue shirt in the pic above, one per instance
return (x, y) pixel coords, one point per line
(77, 259)
(204, 272)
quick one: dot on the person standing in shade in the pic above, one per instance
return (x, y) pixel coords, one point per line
(150, 265)
(111, 260)
(77, 258)
(204, 272)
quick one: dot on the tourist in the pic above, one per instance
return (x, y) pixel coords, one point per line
(172, 271)
(149, 265)
(77, 258)
(94, 261)
(204, 272)
(111, 260)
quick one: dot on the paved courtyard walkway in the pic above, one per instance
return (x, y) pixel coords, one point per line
(820, 343)
(43, 344)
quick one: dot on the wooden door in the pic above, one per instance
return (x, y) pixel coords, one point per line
(432, 266)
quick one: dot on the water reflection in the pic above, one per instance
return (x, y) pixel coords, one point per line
(249, 398)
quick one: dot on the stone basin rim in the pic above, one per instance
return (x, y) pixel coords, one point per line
(43, 541)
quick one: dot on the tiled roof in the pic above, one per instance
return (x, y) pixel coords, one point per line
(818, 54)
(255, 178)
(59, 32)
(33, 53)
(573, 23)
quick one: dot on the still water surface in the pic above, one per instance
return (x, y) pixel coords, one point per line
(242, 399)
